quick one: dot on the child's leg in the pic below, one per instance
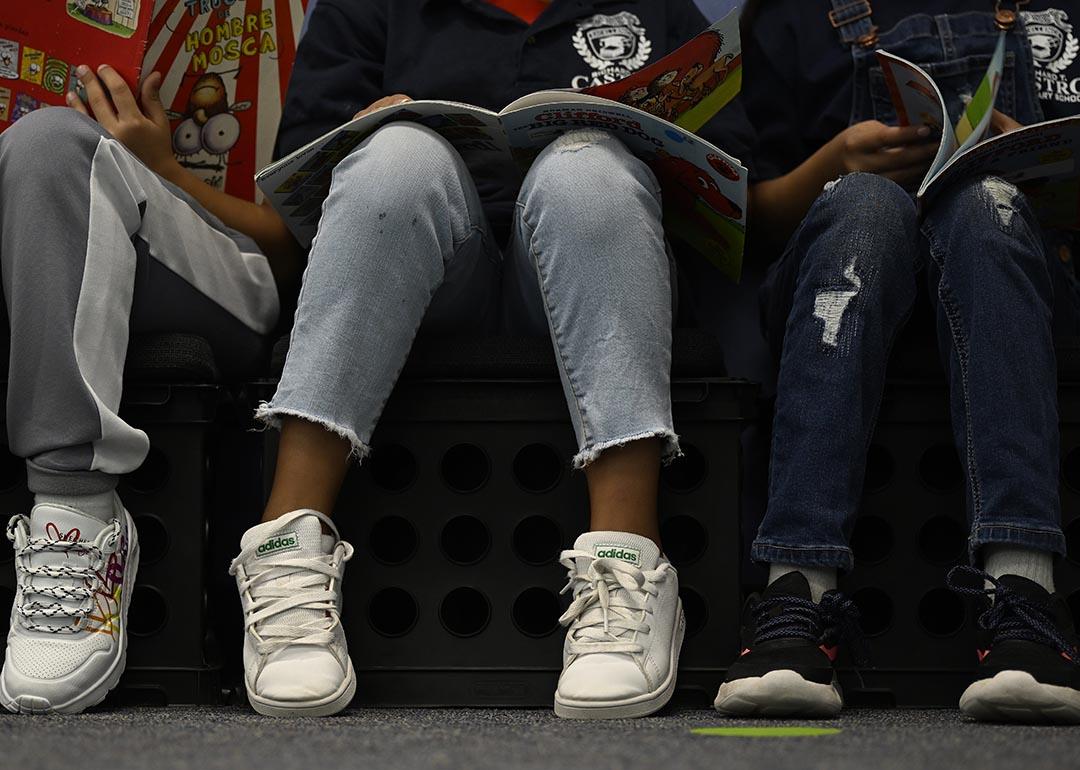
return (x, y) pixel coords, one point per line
(93, 245)
(991, 284)
(402, 240)
(588, 265)
(836, 301)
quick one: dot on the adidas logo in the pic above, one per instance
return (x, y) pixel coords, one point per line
(285, 541)
(620, 552)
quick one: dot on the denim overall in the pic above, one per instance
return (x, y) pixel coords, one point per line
(848, 282)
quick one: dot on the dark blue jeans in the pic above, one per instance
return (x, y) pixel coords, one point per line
(835, 302)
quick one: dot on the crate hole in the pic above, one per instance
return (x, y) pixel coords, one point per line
(465, 468)
(465, 540)
(684, 539)
(536, 612)
(537, 468)
(12, 470)
(688, 472)
(696, 610)
(871, 540)
(537, 540)
(1072, 542)
(7, 553)
(942, 541)
(153, 538)
(941, 612)
(875, 610)
(465, 612)
(152, 475)
(1070, 469)
(7, 598)
(393, 612)
(880, 467)
(393, 540)
(149, 611)
(393, 467)
(1074, 604)
(940, 468)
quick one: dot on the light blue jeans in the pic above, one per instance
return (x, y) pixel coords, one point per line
(404, 244)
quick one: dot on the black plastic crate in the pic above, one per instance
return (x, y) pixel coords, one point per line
(170, 657)
(458, 519)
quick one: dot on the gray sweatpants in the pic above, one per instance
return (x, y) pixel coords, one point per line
(95, 247)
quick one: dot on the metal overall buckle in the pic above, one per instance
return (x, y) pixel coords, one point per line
(867, 40)
(1005, 18)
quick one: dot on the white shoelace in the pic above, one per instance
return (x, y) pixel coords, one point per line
(619, 591)
(282, 584)
(84, 566)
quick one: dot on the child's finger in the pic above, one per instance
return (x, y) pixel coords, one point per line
(1002, 123)
(895, 158)
(100, 106)
(901, 136)
(118, 90)
(150, 96)
(76, 103)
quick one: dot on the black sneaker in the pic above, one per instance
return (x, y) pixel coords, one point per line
(790, 643)
(1028, 660)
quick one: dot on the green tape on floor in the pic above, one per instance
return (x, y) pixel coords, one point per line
(766, 732)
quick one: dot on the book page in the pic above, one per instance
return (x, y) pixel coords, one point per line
(917, 99)
(297, 185)
(688, 86)
(974, 124)
(1040, 159)
(704, 189)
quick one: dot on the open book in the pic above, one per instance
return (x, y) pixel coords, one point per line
(1040, 159)
(653, 112)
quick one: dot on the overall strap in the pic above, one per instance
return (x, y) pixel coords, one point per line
(853, 19)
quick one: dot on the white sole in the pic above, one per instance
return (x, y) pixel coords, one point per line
(323, 707)
(779, 693)
(95, 694)
(638, 706)
(1016, 696)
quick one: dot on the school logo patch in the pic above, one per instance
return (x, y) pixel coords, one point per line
(1054, 48)
(614, 46)
(1053, 44)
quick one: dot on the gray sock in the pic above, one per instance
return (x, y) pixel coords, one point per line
(1037, 566)
(100, 506)
(821, 579)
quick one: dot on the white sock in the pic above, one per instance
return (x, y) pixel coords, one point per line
(100, 506)
(821, 579)
(1036, 566)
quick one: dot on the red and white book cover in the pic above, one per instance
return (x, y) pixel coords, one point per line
(43, 41)
(226, 66)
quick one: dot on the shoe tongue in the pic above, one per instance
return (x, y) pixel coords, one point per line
(789, 584)
(301, 536)
(58, 522)
(637, 551)
(1029, 589)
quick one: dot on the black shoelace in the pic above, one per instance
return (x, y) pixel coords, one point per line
(835, 619)
(1011, 615)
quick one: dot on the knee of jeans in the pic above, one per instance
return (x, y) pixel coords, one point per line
(869, 204)
(984, 204)
(590, 177)
(49, 142)
(400, 167)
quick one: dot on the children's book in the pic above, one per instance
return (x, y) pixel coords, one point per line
(1041, 159)
(43, 41)
(654, 112)
(226, 65)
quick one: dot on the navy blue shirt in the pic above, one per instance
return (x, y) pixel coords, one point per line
(357, 51)
(798, 83)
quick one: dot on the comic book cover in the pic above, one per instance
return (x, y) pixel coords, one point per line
(43, 41)
(226, 67)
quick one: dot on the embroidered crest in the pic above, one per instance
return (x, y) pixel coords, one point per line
(614, 46)
(1053, 44)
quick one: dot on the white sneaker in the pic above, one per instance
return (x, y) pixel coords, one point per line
(68, 640)
(296, 662)
(626, 628)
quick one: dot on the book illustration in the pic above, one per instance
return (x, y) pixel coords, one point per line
(208, 128)
(24, 105)
(9, 59)
(33, 65)
(117, 17)
(5, 103)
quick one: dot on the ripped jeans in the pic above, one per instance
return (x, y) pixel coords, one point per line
(404, 245)
(835, 302)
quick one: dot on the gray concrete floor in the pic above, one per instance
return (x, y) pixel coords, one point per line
(234, 737)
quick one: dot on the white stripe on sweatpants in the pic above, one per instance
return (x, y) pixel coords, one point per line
(177, 236)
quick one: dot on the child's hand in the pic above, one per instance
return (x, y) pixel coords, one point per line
(1000, 123)
(146, 131)
(900, 153)
(386, 101)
